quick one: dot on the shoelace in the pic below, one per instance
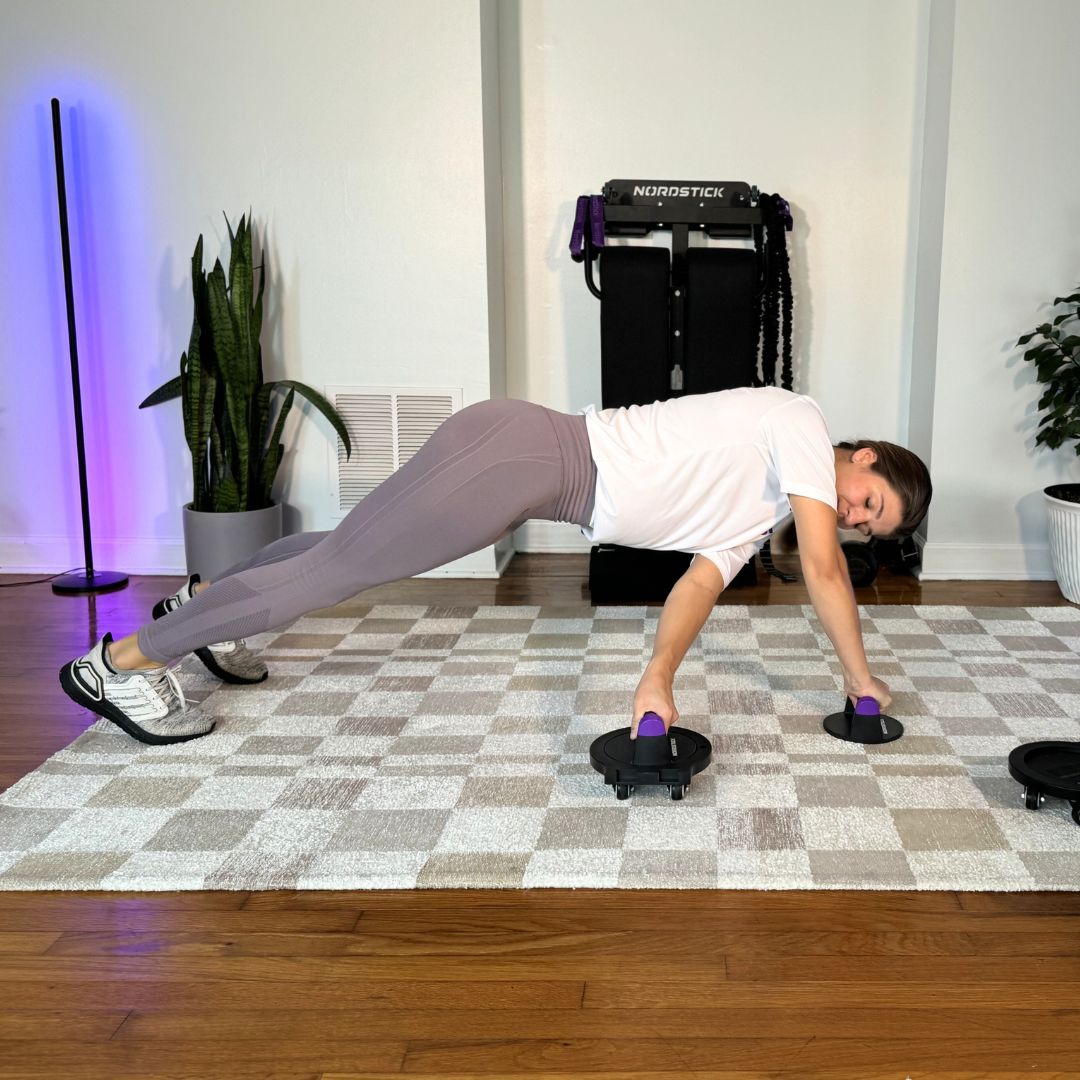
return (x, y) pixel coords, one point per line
(159, 681)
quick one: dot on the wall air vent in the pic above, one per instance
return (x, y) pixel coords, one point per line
(387, 425)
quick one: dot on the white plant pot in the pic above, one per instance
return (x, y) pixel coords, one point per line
(1063, 517)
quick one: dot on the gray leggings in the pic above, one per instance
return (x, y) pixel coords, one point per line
(485, 470)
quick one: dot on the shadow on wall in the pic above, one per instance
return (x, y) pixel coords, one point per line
(1034, 535)
(174, 328)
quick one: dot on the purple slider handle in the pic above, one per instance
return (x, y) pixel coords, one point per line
(651, 724)
(577, 237)
(596, 220)
(867, 706)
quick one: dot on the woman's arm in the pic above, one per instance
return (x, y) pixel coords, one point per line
(827, 581)
(686, 608)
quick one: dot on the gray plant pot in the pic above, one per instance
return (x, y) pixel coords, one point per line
(214, 542)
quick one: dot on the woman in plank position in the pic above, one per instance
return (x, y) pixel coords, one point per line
(708, 474)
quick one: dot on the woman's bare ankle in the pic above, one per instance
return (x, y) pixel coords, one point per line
(124, 655)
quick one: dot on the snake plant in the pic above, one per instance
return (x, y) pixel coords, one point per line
(226, 405)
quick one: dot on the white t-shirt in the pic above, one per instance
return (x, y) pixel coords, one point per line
(707, 473)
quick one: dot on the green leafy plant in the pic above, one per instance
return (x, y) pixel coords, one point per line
(1056, 356)
(235, 453)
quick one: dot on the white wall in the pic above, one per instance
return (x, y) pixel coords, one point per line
(353, 129)
(925, 146)
(1010, 244)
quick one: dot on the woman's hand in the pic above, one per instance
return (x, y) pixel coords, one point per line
(875, 688)
(654, 695)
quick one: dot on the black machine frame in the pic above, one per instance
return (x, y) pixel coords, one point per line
(637, 208)
(719, 210)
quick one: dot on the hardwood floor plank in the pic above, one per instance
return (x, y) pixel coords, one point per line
(570, 1058)
(26, 944)
(559, 968)
(869, 969)
(165, 1072)
(249, 1059)
(49, 1025)
(523, 944)
(103, 917)
(616, 903)
(810, 920)
(996, 994)
(298, 970)
(623, 995)
(822, 1021)
(1055, 903)
(584, 1057)
(135, 903)
(236, 989)
(722, 1070)
(657, 945)
(604, 905)
(530, 946)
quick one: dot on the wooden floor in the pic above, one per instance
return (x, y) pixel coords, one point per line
(537, 983)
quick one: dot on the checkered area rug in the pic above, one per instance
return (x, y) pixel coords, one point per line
(433, 747)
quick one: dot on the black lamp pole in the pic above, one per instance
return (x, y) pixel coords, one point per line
(87, 580)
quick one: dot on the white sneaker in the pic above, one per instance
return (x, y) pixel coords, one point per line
(231, 661)
(148, 704)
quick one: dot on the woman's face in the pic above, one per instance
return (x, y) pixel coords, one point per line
(864, 500)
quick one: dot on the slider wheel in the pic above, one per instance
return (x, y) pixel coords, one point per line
(622, 791)
(1032, 799)
(678, 791)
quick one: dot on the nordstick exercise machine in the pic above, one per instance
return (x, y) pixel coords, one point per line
(692, 320)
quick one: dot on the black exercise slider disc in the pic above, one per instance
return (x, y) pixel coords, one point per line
(666, 759)
(1048, 768)
(863, 722)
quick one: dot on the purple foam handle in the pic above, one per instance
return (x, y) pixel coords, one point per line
(577, 237)
(651, 724)
(596, 220)
(867, 706)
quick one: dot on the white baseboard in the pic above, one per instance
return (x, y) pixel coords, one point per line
(986, 562)
(153, 557)
(940, 562)
(165, 558)
(58, 554)
(551, 537)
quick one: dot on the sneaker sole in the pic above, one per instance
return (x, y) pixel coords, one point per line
(110, 712)
(207, 657)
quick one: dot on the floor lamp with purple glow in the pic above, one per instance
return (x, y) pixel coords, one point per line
(87, 580)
